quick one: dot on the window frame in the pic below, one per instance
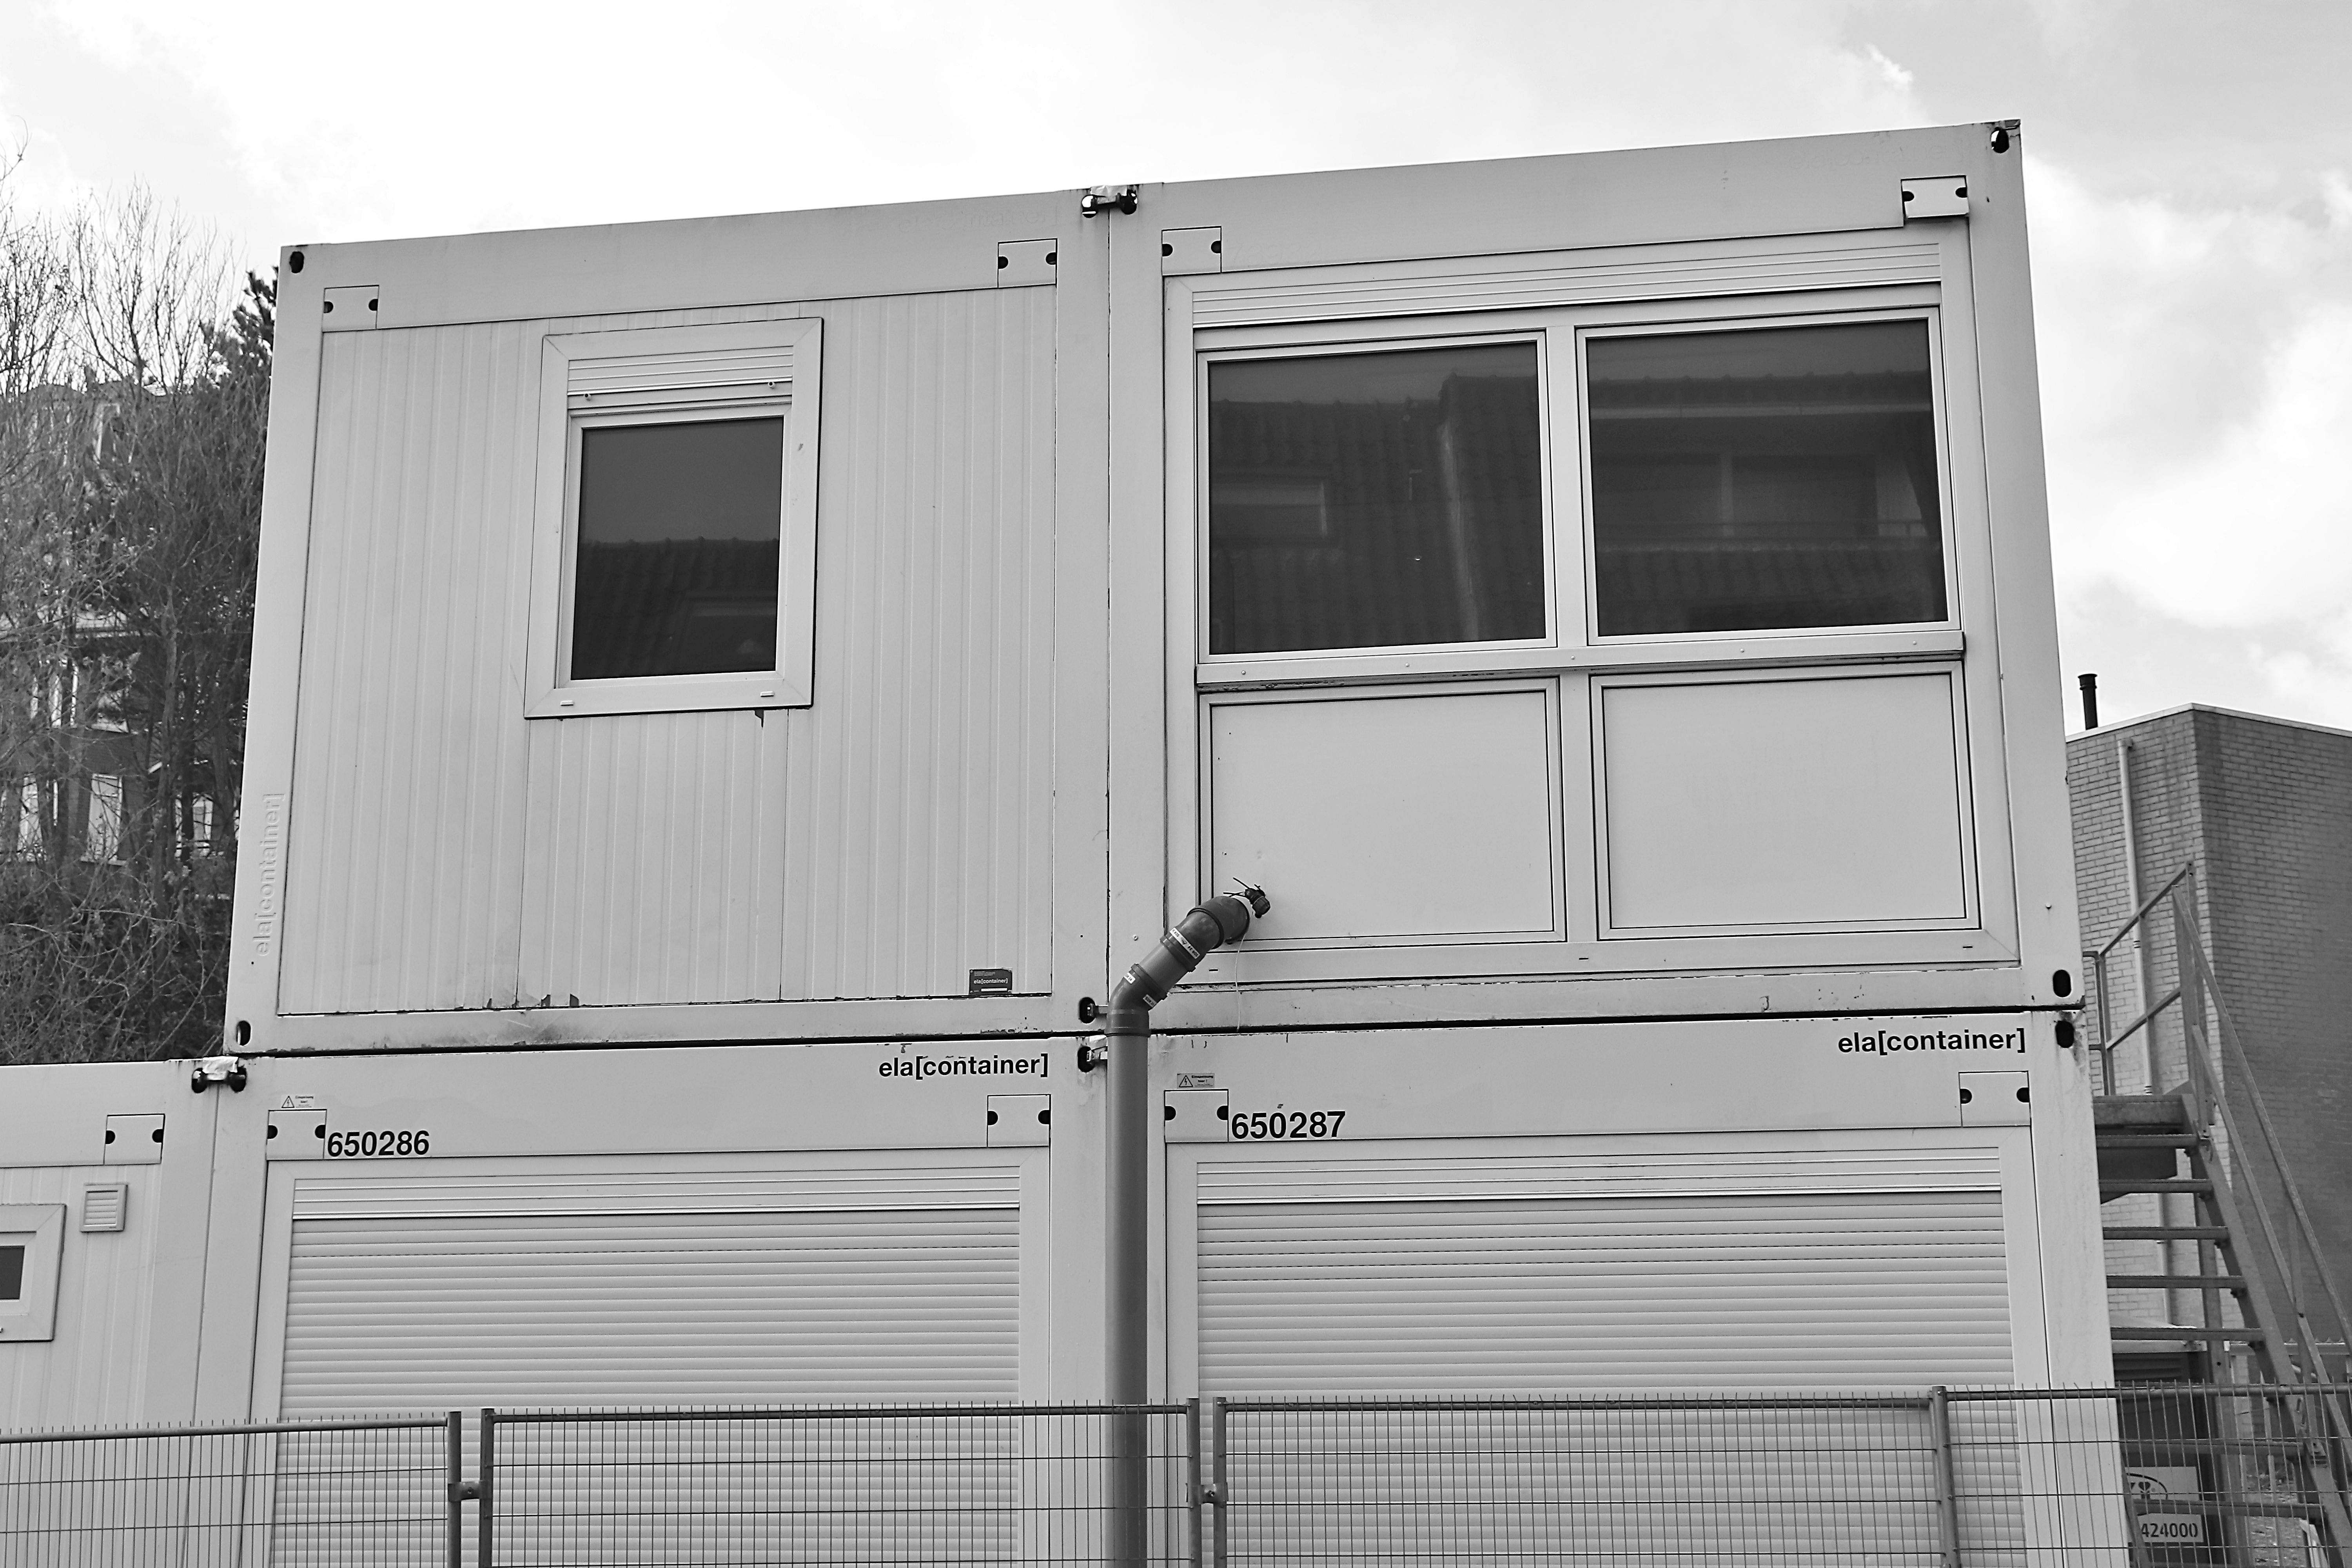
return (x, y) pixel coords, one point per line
(1430, 336)
(40, 1229)
(1586, 331)
(688, 375)
(1574, 656)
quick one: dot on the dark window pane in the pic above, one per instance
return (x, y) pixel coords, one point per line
(1372, 499)
(12, 1273)
(678, 528)
(1779, 478)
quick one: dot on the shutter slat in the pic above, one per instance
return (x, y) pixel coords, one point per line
(1515, 1294)
(434, 1302)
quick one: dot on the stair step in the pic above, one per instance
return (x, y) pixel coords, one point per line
(2182, 1331)
(2148, 1111)
(2147, 1140)
(2116, 1188)
(2176, 1282)
(2165, 1233)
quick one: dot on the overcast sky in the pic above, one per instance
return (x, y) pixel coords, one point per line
(2189, 165)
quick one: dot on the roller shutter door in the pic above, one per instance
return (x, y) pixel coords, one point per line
(1752, 1271)
(651, 1289)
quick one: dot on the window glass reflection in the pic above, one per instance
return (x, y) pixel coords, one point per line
(1375, 500)
(678, 530)
(1778, 477)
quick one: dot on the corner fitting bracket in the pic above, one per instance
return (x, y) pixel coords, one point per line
(218, 1069)
(1108, 198)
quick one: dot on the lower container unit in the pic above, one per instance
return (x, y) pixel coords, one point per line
(1742, 1205)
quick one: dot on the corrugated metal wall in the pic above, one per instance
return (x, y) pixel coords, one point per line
(407, 808)
(95, 1370)
(880, 843)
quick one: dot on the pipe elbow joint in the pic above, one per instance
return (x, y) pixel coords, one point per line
(1210, 924)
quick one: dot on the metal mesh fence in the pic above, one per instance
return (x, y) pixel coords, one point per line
(2156, 1478)
(851, 1486)
(347, 1494)
(2159, 1476)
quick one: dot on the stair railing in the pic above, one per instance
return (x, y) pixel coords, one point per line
(2111, 1037)
(2283, 1245)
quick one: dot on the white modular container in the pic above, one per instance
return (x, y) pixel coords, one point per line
(1605, 600)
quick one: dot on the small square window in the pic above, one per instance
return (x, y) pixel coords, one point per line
(1382, 500)
(1775, 477)
(675, 564)
(30, 1239)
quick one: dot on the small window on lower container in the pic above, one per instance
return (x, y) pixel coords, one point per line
(30, 1240)
(1780, 477)
(678, 530)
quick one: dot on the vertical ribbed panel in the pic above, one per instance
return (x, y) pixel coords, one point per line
(407, 808)
(918, 837)
(94, 1372)
(656, 858)
(880, 843)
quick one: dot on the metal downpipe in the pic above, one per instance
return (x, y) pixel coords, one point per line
(1127, 1039)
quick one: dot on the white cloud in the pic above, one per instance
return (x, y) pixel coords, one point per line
(473, 113)
(1896, 77)
(2198, 401)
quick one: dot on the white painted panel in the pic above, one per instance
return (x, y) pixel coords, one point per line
(919, 785)
(93, 1367)
(883, 843)
(656, 865)
(1401, 816)
(1783, 803)
(408, 1292)
(406, 809)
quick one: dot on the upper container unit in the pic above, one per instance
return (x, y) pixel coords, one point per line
(1626, 577)
(1623, 574)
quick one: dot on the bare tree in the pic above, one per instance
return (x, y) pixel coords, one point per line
(132, 405)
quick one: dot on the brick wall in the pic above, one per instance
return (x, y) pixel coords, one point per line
(2278, 827)
(2264, 809)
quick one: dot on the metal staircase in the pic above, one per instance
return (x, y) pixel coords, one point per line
(2143, 1141)
(2191, 1181)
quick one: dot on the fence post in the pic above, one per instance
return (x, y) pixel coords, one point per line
(1195, 1493)
(456, 1445)
(1218, 1428)
(484, 1557)
(1947, 1499)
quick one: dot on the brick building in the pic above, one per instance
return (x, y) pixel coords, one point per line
(2262, 808)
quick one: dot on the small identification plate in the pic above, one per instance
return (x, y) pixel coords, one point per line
(992, 982)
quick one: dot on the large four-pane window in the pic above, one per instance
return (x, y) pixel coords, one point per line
(1740, 478)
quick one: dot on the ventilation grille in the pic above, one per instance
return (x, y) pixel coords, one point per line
(105, 1207)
